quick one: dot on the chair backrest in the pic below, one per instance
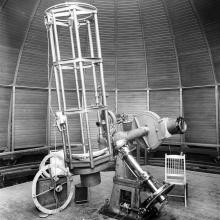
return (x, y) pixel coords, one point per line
(175, 169)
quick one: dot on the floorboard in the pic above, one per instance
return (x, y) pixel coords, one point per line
(203, 201)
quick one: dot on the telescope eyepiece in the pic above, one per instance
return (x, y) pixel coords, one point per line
(177, 126)
(181, 125)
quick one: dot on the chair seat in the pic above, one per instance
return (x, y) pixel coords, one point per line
(176, 181)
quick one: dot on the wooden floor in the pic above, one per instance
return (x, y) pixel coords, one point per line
(203, 201)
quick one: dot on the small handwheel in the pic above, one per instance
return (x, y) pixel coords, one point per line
(52, 195)
(46, 158)
(111, 121)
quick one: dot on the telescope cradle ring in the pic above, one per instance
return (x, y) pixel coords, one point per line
(87, 170)
(62, 11)
(72, 5)
(163, 190)
(152, 121)
(90, 176)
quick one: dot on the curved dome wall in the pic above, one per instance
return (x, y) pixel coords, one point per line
(14, 21)
(159, 55)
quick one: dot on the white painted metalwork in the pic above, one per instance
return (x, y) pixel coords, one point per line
(175, 172)
(75, 17)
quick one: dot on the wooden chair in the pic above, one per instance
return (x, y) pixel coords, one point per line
(175, 173)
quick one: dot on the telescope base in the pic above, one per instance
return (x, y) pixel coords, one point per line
(126, 199)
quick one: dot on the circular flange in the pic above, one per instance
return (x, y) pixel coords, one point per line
(151, 120)
(163, 190)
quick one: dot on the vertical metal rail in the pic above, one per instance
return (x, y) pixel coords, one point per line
(54, 59)
(94, 72)
(145, 55)
(49, 78)
(65, 130)
(58, 65)
(51, 43)
(49, 105)
(9, 138)
(83, 85)
(116, 100)
(102, 79)
(53, 70)
(147, 90)
(183, 136)
(148, 99)
(93, 65)
(116, 54)
(59, 81)
(77, 85)
(217, 119)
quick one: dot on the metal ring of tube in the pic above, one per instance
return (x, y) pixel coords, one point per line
(74, 5)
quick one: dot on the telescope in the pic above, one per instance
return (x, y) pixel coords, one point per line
(135, 194)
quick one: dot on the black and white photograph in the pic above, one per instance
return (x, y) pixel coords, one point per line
(110, 109)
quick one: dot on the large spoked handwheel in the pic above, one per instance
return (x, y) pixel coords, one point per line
(52, 195)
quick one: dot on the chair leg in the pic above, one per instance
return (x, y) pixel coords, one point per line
(185, 194)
